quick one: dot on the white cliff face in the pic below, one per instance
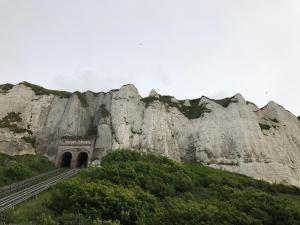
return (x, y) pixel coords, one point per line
(231, 134)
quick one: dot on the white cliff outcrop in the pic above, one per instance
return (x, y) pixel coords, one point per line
(230, 133)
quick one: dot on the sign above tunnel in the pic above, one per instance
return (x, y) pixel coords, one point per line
(79, 141)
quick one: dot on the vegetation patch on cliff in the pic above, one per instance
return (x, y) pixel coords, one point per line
(298, 118)
(82, 99)
(225, 102)
(193, 111)
(103, 111)
(264, 126)
(274, 120)
(30, 140)
(38, 90)
(135, 189)
(6, 87)
(11, 121)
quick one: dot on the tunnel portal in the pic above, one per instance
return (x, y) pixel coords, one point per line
(66, 160)
(74, 152)
(82, 160)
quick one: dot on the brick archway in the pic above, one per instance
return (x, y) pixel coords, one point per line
(81, 151)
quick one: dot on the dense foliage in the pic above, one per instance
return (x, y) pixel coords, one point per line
(16, 168)
(132, 189)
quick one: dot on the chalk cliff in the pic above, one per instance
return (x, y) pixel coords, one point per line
(230, 133)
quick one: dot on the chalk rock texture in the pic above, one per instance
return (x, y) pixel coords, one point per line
(231, 133)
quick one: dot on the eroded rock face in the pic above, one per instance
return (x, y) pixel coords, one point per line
(231, 133)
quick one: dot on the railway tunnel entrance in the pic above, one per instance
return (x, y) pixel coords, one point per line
(82, 160)
(74, 152)
(66, 160)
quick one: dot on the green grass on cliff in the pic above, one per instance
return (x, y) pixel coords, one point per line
(6, 87)
(193, 111)
(134, 189)
(225, 102)
(11, 121)
(38, 90)
(17, 168)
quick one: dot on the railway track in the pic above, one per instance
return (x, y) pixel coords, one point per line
(5, 190)
(28, 192)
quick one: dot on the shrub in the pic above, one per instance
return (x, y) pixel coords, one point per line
(133, 188)
(6, 87)
(101, 200)
(16, 171)
(16, 168)
(103, 111)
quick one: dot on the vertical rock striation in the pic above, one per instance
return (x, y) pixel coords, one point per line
(230, 133)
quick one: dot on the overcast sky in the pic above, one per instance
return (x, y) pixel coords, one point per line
(183, 48)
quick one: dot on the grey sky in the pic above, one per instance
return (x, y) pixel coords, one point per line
(179, 47)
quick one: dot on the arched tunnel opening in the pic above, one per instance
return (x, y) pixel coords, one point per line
(82, 160)
(66, 160)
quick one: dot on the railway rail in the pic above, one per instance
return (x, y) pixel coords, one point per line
(28, 192)
(28, 182)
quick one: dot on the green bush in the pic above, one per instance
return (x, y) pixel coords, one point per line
(158, 175)
(101, 200)
(16, 168)
(16, 171)
(132, 188)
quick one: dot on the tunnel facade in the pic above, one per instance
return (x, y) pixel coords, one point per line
(74, 153)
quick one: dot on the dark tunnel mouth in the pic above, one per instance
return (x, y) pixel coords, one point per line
(82, 160)
(66, 160)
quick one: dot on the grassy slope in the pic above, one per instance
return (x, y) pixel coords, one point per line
(17, 168)
(135, 189)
